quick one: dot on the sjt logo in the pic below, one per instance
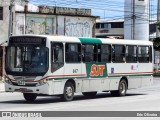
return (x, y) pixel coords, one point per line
(97, 70)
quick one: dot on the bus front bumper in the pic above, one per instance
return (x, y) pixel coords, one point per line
(42, 89)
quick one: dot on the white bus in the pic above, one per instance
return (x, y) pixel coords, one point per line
(59, 65)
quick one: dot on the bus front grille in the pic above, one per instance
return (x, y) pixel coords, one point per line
(31, 78)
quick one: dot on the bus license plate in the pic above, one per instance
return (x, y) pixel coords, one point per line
(21, 82)
(22, 89)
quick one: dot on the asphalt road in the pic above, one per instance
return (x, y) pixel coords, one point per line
(143, 99)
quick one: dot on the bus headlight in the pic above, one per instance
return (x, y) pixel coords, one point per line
(7, 80)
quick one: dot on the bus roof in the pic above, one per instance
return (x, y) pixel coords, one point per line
(85, 40)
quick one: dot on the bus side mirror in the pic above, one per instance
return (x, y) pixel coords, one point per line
(1, 51)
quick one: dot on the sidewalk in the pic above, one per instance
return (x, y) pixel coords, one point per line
(2, 86)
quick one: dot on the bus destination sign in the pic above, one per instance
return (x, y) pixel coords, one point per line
(27, 40)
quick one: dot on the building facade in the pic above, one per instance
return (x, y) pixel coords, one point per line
(115, 29)
(54, 20)
(110, 28)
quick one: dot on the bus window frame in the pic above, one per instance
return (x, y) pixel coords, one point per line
(95, 55)
(58, 64)
(78, 52)
(113, 53)
(108, 54)
(136, 54)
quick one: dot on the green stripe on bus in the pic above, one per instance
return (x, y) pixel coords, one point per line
(132, 75)
(90, 41)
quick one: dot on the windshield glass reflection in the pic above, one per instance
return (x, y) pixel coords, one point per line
(27, 59)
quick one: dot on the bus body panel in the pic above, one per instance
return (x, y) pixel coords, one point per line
(147, 81)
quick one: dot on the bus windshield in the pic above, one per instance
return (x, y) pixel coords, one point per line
(27, 60)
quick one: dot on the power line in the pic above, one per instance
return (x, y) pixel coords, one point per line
(101, 6)
(92, 4)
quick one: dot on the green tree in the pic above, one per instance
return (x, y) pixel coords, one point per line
(156, 41)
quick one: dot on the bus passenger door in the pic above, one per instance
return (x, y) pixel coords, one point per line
(57, 66)
(72, 67)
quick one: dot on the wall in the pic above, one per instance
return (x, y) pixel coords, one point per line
(76, 26)
(46, 24)
(61, 25)
(4, 24)
(20, 6)
(54, 20)
(19, 24)
(116, 30)
(40, 24)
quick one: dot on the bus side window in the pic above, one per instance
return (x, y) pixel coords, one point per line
(73, 53)
(143, 54)
(57, 56)
(131, 53)
(105, 53)
(118, 53)
(89, 53)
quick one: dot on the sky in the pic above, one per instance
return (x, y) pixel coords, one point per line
(106, 9)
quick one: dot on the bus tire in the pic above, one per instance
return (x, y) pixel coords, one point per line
(68, 93)
(89, 94)
(30, 97)
(122, 89)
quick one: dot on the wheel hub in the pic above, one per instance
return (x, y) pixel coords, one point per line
(69, 91)
(122, 88)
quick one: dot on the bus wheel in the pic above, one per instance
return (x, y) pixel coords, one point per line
(29, 97)
(122, 89)
(68, 92)
(89, 94)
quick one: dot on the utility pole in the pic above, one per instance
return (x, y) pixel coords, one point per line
(157, 53)
(10, 28)
(133, 20)
(158, 17)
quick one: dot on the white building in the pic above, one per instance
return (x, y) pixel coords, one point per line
(115, 28)
(139, 11)
(110, 28)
